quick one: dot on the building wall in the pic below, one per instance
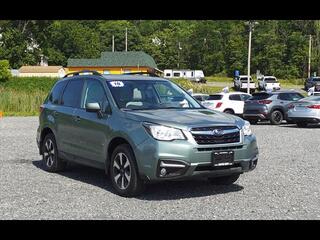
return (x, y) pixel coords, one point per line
(40, 74)
(111, 70)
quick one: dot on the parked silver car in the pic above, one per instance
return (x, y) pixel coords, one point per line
(305, 111)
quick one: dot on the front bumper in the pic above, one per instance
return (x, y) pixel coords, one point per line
(190, 160)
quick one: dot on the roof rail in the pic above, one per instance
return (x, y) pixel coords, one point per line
(141, 73)
(79, 73)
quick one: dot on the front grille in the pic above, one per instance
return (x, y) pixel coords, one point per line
(201, 168)
(204, 135)
(219, 148)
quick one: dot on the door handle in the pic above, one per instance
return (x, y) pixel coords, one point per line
(77, 118)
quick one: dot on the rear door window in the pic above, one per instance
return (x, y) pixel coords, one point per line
(235, 97)
(290, 96)
(72, 93)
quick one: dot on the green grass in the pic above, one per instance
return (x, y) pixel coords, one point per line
(218, 79)
(197, 87)
(23, 96)
(20, 103)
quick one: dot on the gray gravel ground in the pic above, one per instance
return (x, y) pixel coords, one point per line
(285, 185)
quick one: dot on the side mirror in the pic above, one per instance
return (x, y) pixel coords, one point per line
(93, 107)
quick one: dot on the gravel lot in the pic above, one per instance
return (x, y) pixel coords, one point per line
(285, 185)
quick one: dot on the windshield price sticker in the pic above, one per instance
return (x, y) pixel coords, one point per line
(117, 84)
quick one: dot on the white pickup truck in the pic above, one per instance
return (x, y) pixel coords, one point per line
(241, 83)
(268, 83)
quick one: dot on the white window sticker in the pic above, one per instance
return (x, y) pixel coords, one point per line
(117, 84)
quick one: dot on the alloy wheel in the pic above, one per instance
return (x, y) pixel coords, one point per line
(49, 153)
(121, 171)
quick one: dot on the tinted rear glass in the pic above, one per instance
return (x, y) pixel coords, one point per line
(260, 96)
(215, 97)
(72, 94)
(316, 79)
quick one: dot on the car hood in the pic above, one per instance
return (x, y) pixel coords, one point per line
(185, 118)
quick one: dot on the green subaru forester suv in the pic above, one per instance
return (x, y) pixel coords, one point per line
(140, 129)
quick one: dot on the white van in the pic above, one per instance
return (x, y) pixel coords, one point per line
(192, 75)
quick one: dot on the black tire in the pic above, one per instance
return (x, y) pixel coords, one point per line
(302, 124)
(124, 172)
(225, 180)
(276, 117)
(253, 122)
(51, 161)
(229, 111)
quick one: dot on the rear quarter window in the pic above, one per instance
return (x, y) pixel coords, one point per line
(56, 92)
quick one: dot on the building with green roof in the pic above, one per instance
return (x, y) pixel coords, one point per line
(116, 63)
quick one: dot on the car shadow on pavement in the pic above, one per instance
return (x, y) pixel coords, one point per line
(295, 126)
(168, 190)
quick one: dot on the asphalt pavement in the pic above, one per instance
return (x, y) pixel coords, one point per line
(285, 184)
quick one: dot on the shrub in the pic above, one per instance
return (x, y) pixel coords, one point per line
(5, 73)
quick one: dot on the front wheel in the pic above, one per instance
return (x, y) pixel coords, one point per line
(225, 180)
(51, 161)
(276, 117)
(124, 172)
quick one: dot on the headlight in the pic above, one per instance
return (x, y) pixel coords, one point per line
(246, 129)
(164, 133)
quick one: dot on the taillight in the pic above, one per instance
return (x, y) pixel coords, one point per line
(315, 106)
(290, 106)
(218, 104)
(265, 101)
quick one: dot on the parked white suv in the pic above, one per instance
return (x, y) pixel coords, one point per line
(241, 83)
(268, 83)
(232, 102)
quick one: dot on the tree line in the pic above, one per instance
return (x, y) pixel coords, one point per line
(279, 47)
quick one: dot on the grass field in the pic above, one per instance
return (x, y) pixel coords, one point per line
(23, 96)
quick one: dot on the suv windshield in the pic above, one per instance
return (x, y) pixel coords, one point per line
(149, 94)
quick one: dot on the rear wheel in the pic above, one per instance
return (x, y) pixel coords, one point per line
(276, 117)
(124, 172)
(302, 124)
(229, 111)
(51, 161)
(225, 180)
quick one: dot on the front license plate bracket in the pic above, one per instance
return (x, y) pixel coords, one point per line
(222, 158)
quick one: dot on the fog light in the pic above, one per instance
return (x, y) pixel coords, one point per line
(163, 172)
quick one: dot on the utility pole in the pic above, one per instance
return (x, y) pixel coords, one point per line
(112, 43)
(251, 25)
(179, 49)
(309, 61)
(126, 39)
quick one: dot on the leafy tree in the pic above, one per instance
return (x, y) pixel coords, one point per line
(5, 73)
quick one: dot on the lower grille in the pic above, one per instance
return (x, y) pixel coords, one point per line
(216, 135)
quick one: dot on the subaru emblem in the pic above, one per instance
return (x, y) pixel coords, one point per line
(217, 132)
